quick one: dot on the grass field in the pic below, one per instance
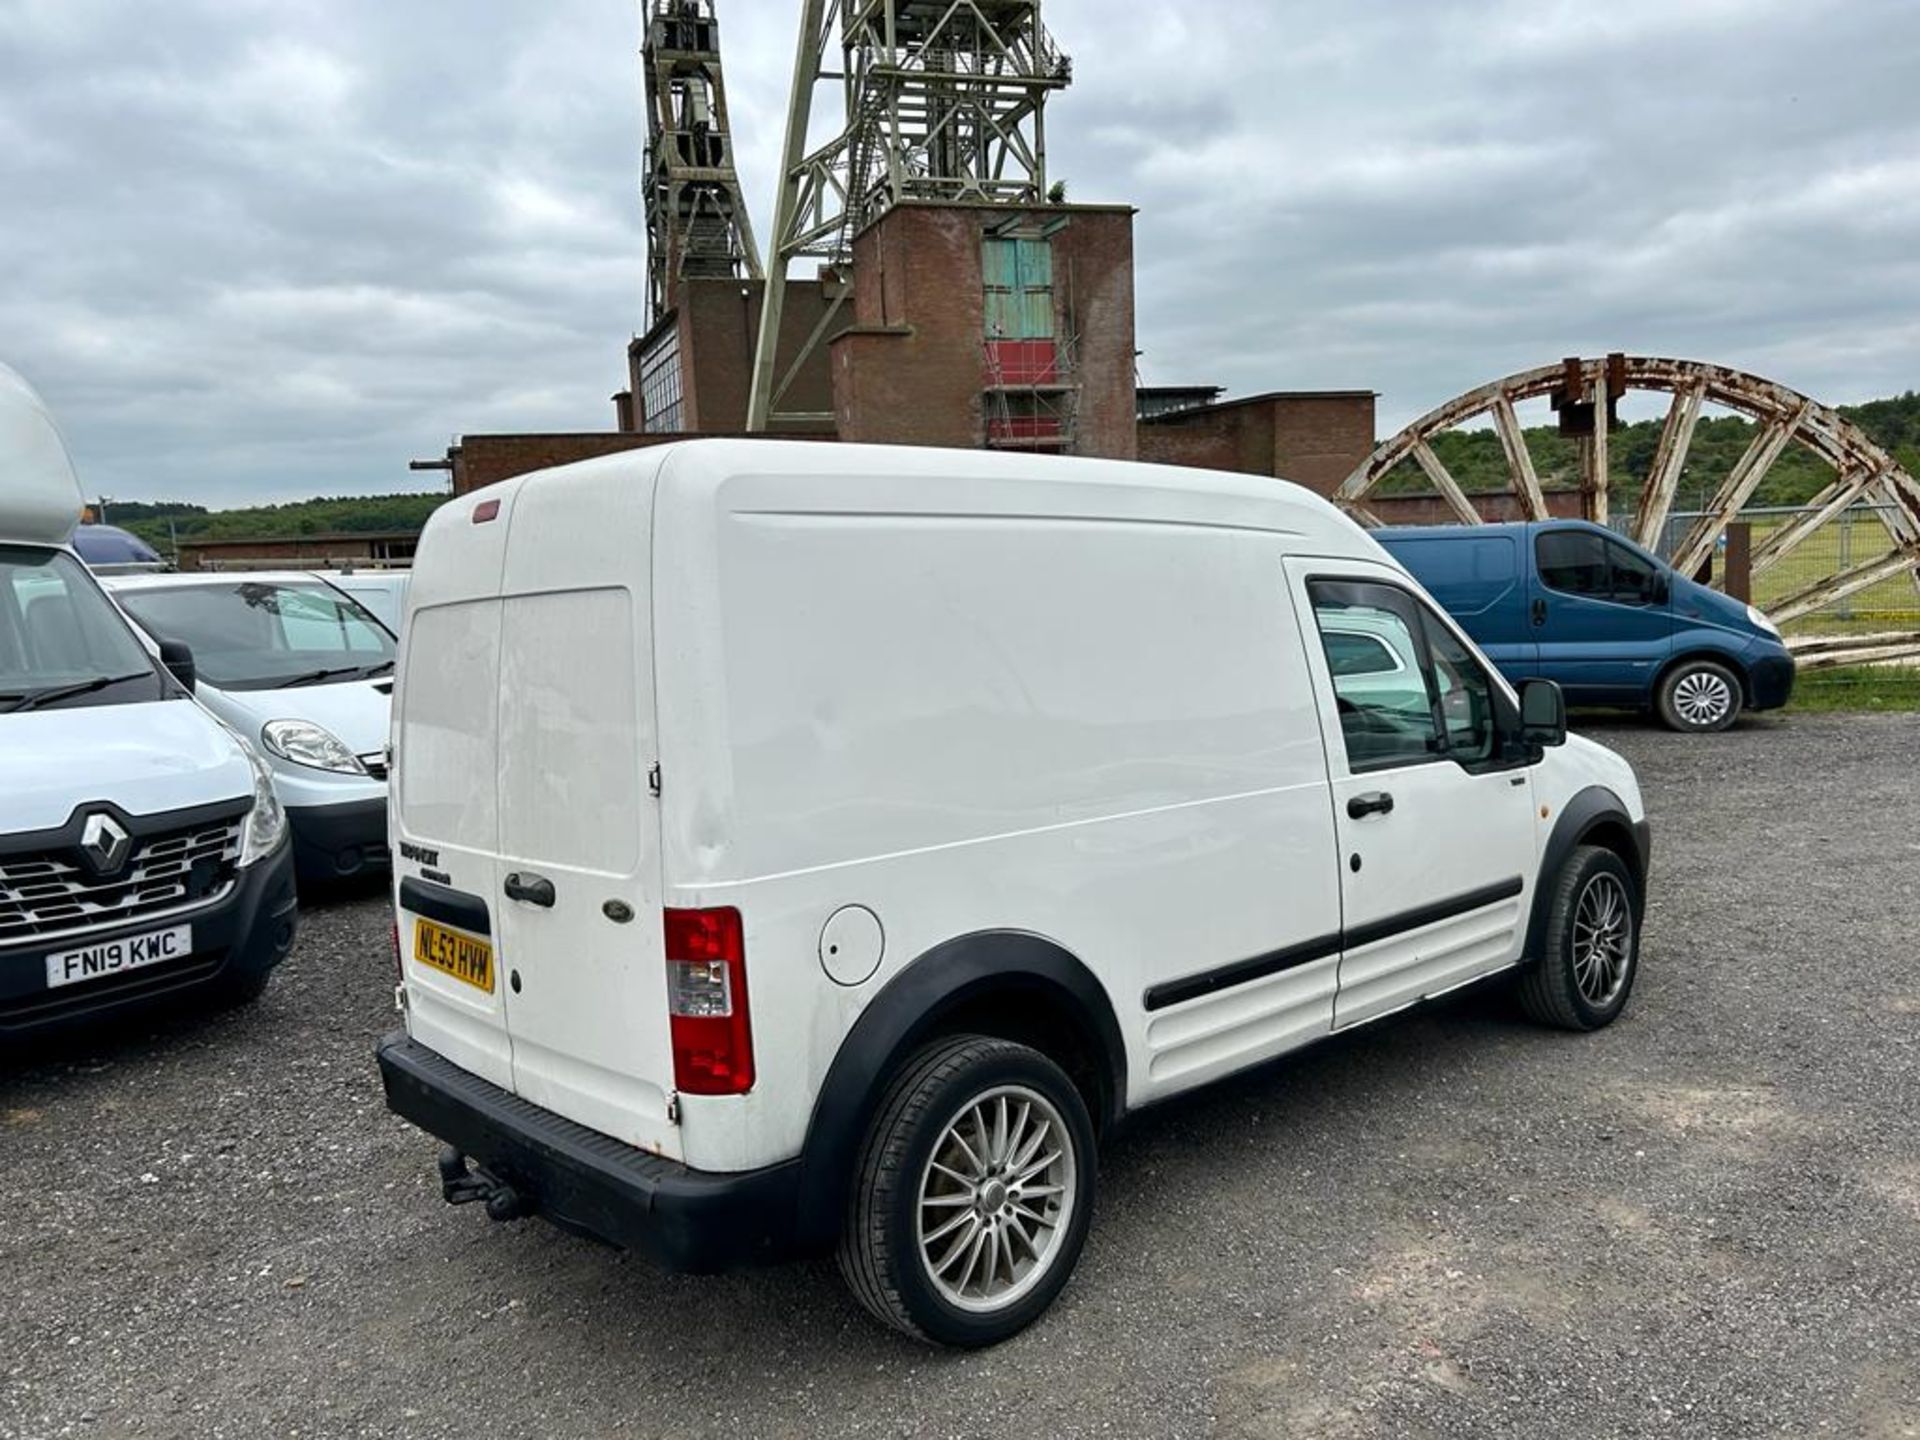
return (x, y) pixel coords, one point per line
(1889, 605)
(1883, 688)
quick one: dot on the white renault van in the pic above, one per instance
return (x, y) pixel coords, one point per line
(143, 856)
(815, 846)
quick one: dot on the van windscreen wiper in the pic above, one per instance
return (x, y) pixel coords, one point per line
(38, 698)
(314, 677)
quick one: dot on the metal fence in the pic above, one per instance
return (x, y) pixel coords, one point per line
(1856, 536)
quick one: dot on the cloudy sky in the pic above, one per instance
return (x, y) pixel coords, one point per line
(262, 249)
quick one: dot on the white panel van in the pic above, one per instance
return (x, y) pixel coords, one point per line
(803, 847)
(143, 855)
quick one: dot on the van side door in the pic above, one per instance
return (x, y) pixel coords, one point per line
(1601, 612)
(1435, 818)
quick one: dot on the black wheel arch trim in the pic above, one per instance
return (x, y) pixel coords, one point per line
(907, 1012)
(1588, 811)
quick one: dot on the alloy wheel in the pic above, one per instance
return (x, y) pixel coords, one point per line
(1703, 698)
(1602, 940)
(996, 1199)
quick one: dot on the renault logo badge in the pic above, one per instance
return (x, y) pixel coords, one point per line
(104, 842)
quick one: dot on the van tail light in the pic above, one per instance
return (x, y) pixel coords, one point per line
(707, 1002)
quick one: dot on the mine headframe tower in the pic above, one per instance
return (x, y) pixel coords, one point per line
(940, 100)
(697, 220)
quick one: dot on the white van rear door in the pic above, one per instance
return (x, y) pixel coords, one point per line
(445, 818)
(578, 890)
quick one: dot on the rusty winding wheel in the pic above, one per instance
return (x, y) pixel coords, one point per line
(1584, 389)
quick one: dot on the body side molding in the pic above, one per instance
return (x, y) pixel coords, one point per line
(1241, 972)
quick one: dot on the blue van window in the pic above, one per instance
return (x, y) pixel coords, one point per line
(1632, 579)
(1574, 561)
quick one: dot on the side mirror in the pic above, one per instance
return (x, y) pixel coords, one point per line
(1662, 588)
(178, 658)
(1543, 713)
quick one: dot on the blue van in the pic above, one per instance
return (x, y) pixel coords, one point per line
(1573, 602)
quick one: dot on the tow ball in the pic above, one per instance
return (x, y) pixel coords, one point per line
(461, 1186)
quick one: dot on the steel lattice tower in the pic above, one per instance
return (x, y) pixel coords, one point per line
(697, 221)
(940, 100)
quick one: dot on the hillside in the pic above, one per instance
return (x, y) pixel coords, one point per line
(158, 522)
(1475, 459)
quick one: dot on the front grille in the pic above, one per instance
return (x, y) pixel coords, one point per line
(49, 895)
(376, 764)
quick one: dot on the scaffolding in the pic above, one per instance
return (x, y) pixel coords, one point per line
(940, 100)
(1031, 395)
(696, 214)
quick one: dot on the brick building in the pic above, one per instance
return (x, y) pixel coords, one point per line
(300, 552)
(964, 324)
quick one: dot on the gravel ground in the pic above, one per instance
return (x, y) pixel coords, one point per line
(1705, 1220)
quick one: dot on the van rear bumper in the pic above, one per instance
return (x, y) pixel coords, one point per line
(693, 1221)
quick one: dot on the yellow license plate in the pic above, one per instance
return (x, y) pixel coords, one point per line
(454, 953)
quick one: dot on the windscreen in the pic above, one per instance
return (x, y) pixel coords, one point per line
(57, 630)
(264, 635)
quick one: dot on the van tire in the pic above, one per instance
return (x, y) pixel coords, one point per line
(1551, 991)
(1698, 697)
(880, 1248)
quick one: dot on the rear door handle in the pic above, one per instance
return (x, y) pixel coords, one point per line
(1539, 612)
(1378, 803)
(534, 889)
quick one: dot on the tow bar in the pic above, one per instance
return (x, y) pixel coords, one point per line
(461, 1186)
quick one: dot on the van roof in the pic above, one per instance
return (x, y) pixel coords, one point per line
(905, 479)
(40, 499)
(1492, 527)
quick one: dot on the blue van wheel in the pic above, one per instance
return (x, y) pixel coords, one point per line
(1698, 697)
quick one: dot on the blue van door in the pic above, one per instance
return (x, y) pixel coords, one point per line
(1481, 580)
(1601, 614)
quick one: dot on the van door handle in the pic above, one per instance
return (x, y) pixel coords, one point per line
(1378, 803)
(534, 889)
(1539, 612)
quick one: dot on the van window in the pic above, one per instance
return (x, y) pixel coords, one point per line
(57, 630)
(261, 635)
(1573, 561)
(1632, 578)
(1465, 694)
(1386, 717)
(444, 724)
(1580, 562)
(1354, 654)
(1437, 700)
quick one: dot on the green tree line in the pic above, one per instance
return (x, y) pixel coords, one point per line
(159, 522)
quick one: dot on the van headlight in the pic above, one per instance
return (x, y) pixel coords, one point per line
(305, 743)
(1759, 617)
(266, 823)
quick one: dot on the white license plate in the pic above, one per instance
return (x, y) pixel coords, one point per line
(112, 957)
